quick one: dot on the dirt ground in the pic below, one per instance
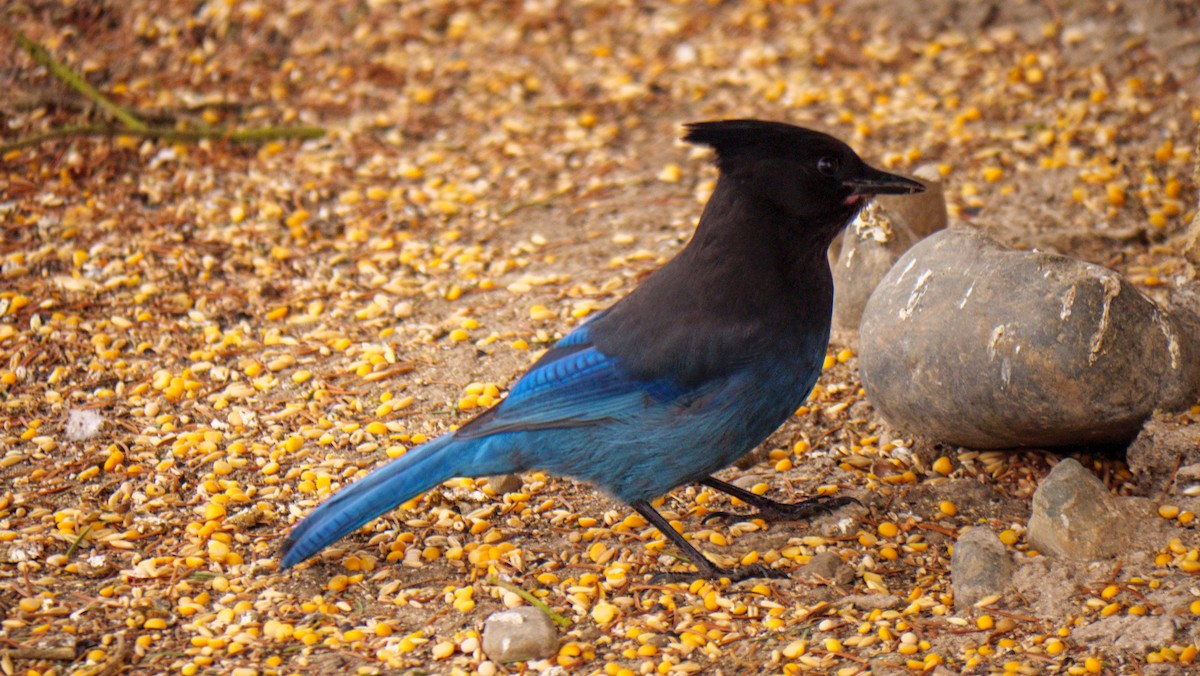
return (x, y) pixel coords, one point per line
(256, 325)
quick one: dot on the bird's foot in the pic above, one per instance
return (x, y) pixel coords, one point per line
(771, 511)
(715, 572)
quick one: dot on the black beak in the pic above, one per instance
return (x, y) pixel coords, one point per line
(875, 182)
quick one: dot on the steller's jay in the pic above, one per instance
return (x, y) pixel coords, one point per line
(689, 372)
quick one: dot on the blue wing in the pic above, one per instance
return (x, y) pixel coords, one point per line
(573, 384)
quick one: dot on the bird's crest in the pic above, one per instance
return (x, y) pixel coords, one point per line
(754, 138)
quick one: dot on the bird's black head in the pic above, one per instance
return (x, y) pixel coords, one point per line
(809, 176)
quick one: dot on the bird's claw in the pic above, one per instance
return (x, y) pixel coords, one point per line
(727, 517)
(772, 511)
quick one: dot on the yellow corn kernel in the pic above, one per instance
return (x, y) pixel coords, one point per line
(795, 649)
(1115, 195)
(1164, 152)
(604, 612)
(671, 173)
(943, 466)
(1188, 654)
(115, 458)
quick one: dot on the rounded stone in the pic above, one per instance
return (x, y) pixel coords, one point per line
(971, 343)
(519, 635)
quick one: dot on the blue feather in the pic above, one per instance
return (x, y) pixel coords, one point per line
(572, 385)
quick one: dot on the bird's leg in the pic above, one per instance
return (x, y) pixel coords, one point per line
(770, 510)
(705, 568)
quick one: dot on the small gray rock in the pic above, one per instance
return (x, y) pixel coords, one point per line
(970, 343)
(872, 601)
(1075, 516)
(519, 635)
(883, 231)
(979, 566)
(829, 566)
(508, 483)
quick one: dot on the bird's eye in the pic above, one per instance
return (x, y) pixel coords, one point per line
(828, 166)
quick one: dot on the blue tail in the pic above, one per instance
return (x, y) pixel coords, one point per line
(383, 489)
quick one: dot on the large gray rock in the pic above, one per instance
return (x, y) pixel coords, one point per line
(1074, 516)
(971, 343)
(519, 635)
(881, 233)
(979, 567)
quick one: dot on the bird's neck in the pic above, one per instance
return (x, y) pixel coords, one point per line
(754, 240)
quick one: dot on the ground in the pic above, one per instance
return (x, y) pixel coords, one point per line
(257, 325)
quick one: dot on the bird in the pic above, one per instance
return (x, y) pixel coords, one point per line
(690, 371)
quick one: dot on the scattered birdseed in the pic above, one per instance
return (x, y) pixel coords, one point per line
(258, 326)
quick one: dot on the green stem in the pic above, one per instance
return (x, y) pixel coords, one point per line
(79, 540)
(64, 73)
(168, 134)
(533, 600)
